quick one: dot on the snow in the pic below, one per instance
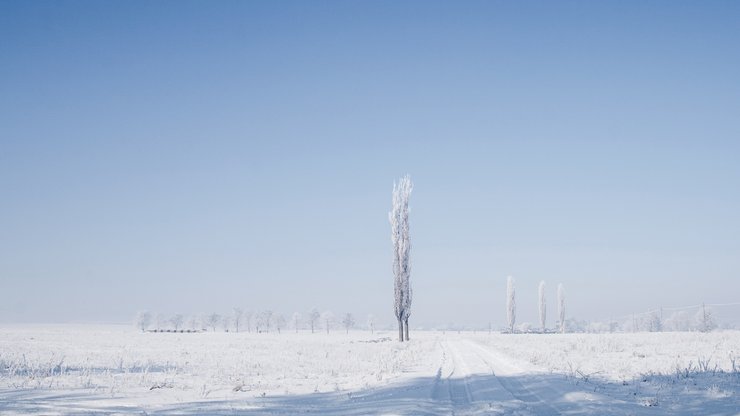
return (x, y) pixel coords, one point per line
(79, 369)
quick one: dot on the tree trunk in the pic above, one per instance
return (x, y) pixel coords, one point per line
(400, 330)
(406, 329)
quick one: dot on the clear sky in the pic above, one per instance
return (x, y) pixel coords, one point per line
(189, 157)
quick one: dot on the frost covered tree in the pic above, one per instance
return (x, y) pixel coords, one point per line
(543, 305)
(704, 319)
(653, 322)
(561, 307)
(371, 323)
(679, 321)
(237, 316)
(226, 323)
(327, 318)
(279, 322)
(399, 219)
(264, 320)
(248, 316)
(143, 320)
(160, 321)
(510, 304)
(212, 320)
(194, 324)
(259, 325)
(348, 321)
(313, 318)
(296, 319)
(177, 321)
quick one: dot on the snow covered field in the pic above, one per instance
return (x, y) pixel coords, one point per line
(77, 369)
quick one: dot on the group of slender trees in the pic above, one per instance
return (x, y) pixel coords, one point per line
(542, 303)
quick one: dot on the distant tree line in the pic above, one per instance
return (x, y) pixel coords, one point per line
(241, 320)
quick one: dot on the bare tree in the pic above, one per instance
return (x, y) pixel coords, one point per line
(160, 321)
(348, 321)
(279, 322)
(399, 219)
(143, 320)
(177, 321)
(313, 317)
(296, 319)
(212, 321)
(267, 317)
(510, 303)
(653, 321)
(704, 319)
(226, 323)
(264, 319)
(248, 315)
(679, 321)
(371, 323)
(237, 316)
(543, 305)
(194, 324)
(561, 307)
(327, 317)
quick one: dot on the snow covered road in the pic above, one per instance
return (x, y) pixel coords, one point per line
(470, 380)
(476, 380)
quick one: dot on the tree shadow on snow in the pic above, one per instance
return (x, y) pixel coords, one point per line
(541, 394)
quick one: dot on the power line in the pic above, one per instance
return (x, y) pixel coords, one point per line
(675, 308)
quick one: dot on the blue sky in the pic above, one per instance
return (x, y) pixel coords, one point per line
(194, 156)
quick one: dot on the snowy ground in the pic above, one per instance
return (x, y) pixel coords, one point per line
(70, 369)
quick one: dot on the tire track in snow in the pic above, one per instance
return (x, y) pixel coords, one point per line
(451, 390)
(440, 391)
(458, 382)
(548, 394)
(466, 385)
(514, 387)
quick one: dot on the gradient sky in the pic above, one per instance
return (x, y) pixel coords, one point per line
(194, 156)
